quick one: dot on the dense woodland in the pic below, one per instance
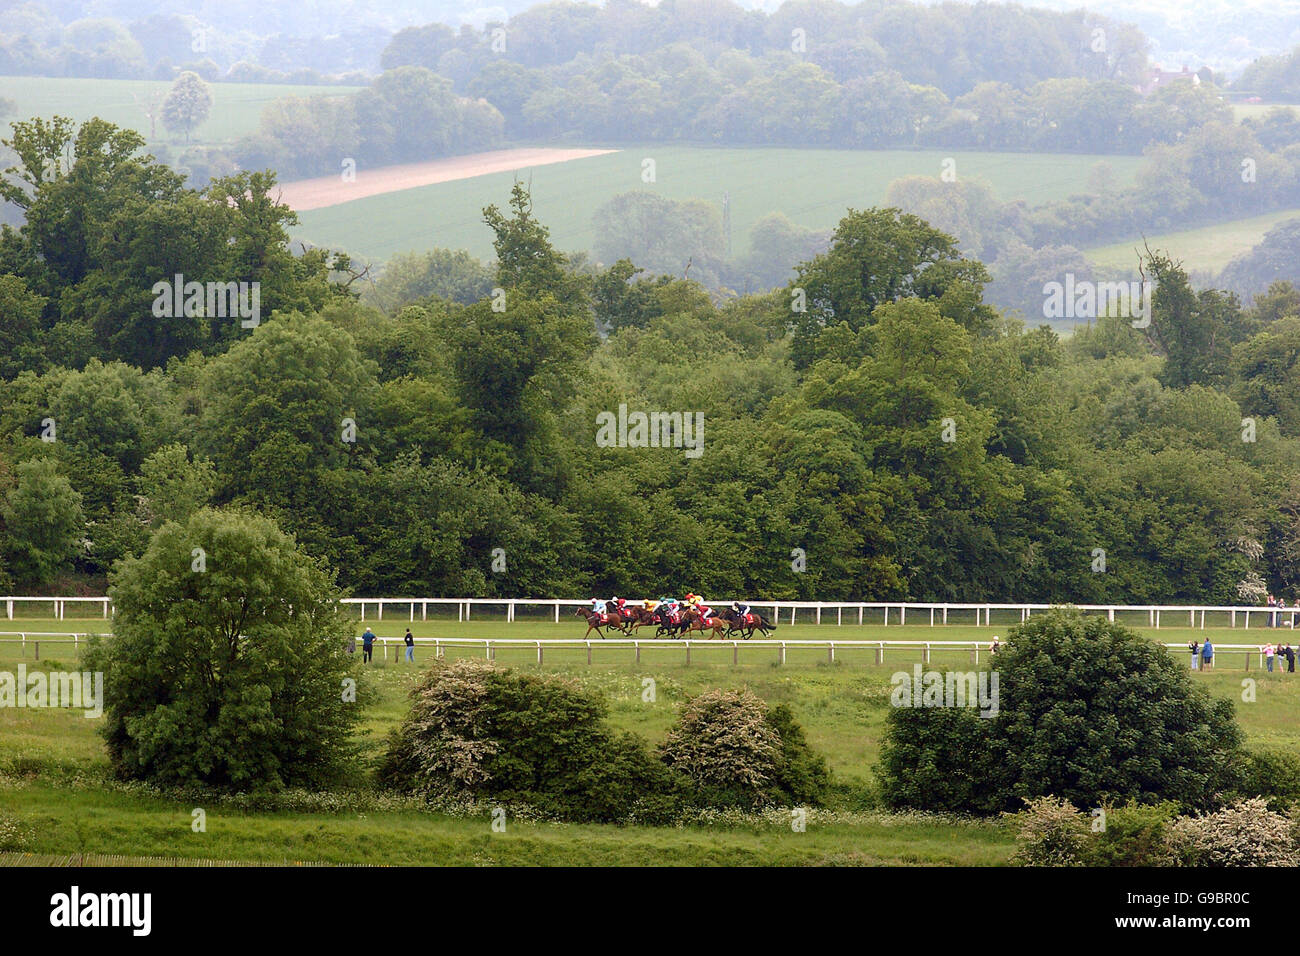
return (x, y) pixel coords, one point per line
(912, 440)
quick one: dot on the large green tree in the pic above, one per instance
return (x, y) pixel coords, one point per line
(43, 520)
(878, 256)
(227, 665)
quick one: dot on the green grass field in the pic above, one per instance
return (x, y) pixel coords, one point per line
(54, 775)
(236, 107)
(1241, 111)
(814, 187)
(1208, 248)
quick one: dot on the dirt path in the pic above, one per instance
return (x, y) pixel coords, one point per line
(303, 194)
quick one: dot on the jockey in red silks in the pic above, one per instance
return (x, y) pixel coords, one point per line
(697, 602)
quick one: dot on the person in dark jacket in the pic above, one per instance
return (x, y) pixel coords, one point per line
(410, 647)
(1289, 653)
(367, 646)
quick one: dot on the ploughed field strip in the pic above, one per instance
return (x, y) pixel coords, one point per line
(303, 194)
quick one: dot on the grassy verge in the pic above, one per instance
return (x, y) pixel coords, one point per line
(54, 775)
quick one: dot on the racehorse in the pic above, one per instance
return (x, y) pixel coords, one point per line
(640, 617)
(668, 625)
(748, 623)
(696, 622)
(600, 623)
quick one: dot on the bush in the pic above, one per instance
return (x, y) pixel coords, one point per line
(738, 754)
(1133, 835)
(938, 760)
(802, 776)
(227, 672)
(1247, 834)
(1274, 775)
(1052, 833)
(1089, 711)
(486, 732)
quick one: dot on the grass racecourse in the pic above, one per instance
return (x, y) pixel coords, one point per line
(813, 187)
(54, 775)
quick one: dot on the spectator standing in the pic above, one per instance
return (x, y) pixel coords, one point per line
(1289, 653)
(367, 646)
(1272, 614)
(1195, 649)
(1270, 652)
(410, 647)
(1207, 656)
(994, 647)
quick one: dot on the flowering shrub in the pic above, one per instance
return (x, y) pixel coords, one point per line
(484, 733)
(1247, 834)
(737, 753)
(1052, 833)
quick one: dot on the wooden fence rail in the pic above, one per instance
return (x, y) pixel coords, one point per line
(784, 612)
(489, 645)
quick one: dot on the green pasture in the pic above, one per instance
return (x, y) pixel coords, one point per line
(1241, 111)
(236, 107)
(54, 774)
(813, 187)
(1206, 249)
(63, 820)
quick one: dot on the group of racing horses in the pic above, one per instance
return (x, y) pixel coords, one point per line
(674, 620)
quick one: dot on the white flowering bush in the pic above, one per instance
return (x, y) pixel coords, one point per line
(1052, 833)
(1247, 834)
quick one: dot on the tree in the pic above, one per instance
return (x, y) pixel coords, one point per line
(877, 256)
(1193, 331)
(1266, 374)
(20, 327)
(526, 260)
(173, 486)
(42, 515)
(187, 105)
(227, 667)
(1089, 711)
(275, 405)
(661, 235)
(410, 277)
(1270, 264)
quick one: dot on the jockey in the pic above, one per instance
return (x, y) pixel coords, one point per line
(620, 606)
(598, 606)
(697, 602)
(741, 609)
(651, 604)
